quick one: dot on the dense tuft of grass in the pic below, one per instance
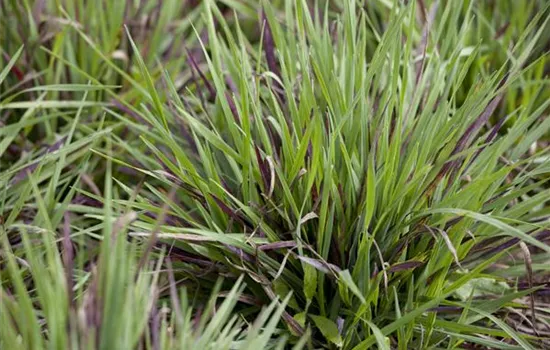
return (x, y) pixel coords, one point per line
(234, 174)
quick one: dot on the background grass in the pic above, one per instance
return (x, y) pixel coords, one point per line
(235, 174)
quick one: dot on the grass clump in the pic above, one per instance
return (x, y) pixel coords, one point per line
(359, 175)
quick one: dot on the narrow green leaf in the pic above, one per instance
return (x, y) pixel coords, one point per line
(328, 328)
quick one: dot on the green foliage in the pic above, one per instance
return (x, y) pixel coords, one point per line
(373, 165)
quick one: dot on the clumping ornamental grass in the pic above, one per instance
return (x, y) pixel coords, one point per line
(274, 174)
